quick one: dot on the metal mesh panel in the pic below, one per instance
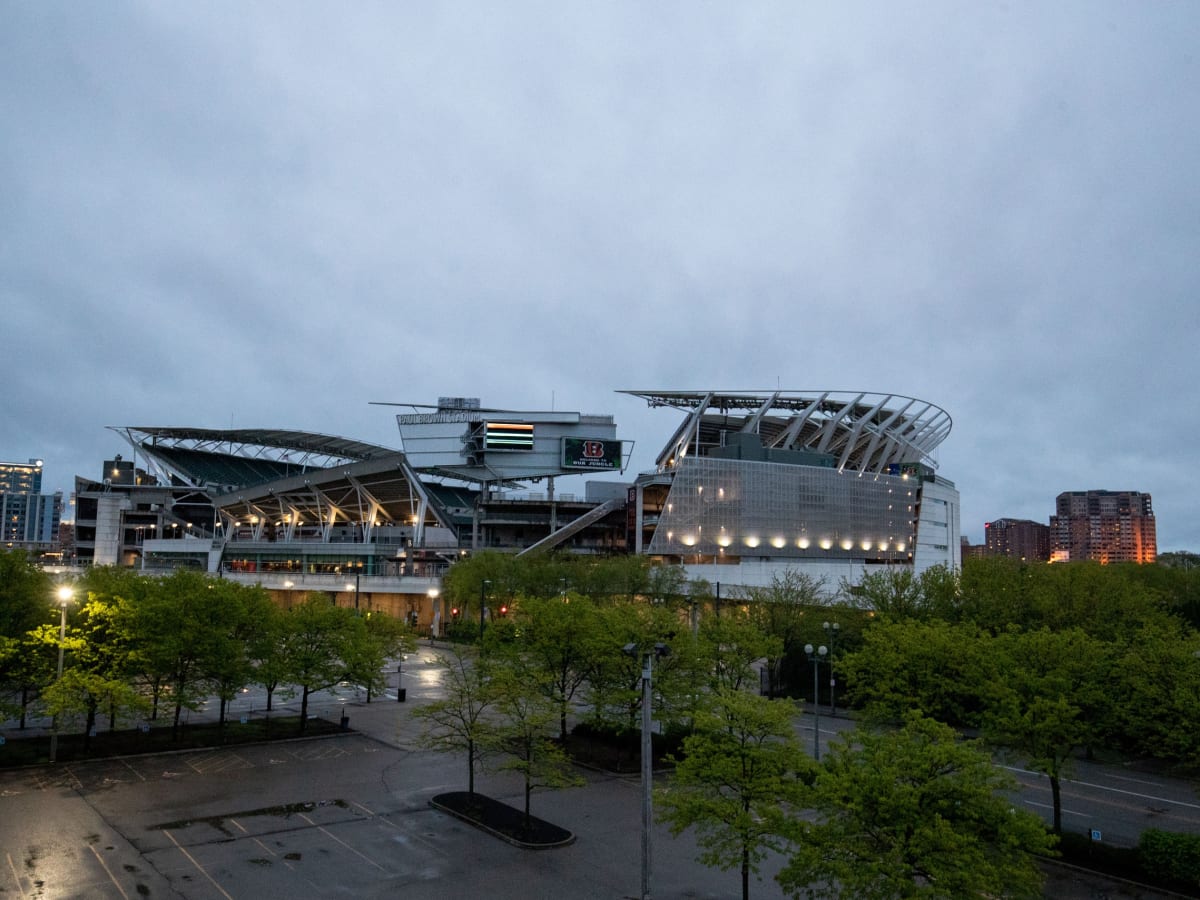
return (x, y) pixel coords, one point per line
(735, 508)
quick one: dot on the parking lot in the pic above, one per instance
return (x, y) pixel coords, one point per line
(342, 816)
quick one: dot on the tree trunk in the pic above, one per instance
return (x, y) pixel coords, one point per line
(745, 873)
(24, 703)
(303, 708)
(270, 695)
(89, 725)
(471, 767)
(1056, 793)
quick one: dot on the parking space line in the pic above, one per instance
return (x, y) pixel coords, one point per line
(134, 771)
(108, 871)
(199, 867)
(16, 877)
(329, 834)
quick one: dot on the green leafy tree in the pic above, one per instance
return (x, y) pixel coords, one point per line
(559, 640)
(521, 732)
(25, 603)
(318, 638)
(939, 670)
(1049, 700)
(730, 645)
(266, 653)
(241, 614)
(79, 693)
(25, 594)
(458, 722)
(380, 638)
(894, 593)
(182, 621)
(1157, 694)
(614, 686)
(742, 770)
(778, 610)
(913, 813)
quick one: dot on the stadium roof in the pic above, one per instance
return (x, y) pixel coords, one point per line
(300, 476)
(859, 431)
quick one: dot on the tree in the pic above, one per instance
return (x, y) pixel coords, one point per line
(380, 638)
(741, 772)
(1048, 701)
(520, 732)
(1157, 694)
(265, 651)
(778, 610)
(458, 723)
(893, 592)
(559, 641)
(25, 594)
(25, 603)
(939, 670)
(79, 693)
(318, 638)
(614, 686)
(186, 624)
(729, 646)
(242, 613)
(913, 813)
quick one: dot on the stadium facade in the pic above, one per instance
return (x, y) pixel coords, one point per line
(832, 484)
(750, 484)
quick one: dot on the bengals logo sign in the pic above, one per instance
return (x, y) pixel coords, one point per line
(590, 453)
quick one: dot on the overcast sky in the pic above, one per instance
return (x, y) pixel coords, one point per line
(271, 214)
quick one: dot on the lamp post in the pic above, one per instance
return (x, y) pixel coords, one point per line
(648, 656)
(64, 597)
(816, 659)
(435, 616)
(483, 586)
(832, 631)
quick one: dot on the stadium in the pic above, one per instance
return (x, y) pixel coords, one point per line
(750, 484)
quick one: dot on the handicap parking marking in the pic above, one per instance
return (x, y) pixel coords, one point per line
(217, 762)
(318, 751)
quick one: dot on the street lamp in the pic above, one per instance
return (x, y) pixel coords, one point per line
(816, 659)
(435, 614)
(648, 656)
(832, 631)
(64, 597)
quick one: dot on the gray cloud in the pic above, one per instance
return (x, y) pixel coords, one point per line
(272, 215)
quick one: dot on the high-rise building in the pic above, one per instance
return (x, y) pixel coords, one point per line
(28, 518)
(1104, 526)
(1017, 539)
(21, 478)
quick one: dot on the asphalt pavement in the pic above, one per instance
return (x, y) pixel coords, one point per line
(349, 816)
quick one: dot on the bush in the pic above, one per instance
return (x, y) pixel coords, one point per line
(1080, 850)
(1168, 857)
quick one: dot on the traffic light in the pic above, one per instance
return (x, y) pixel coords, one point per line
(454, 612)
(503, 610)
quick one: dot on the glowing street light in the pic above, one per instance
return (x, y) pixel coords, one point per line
(64, 598)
